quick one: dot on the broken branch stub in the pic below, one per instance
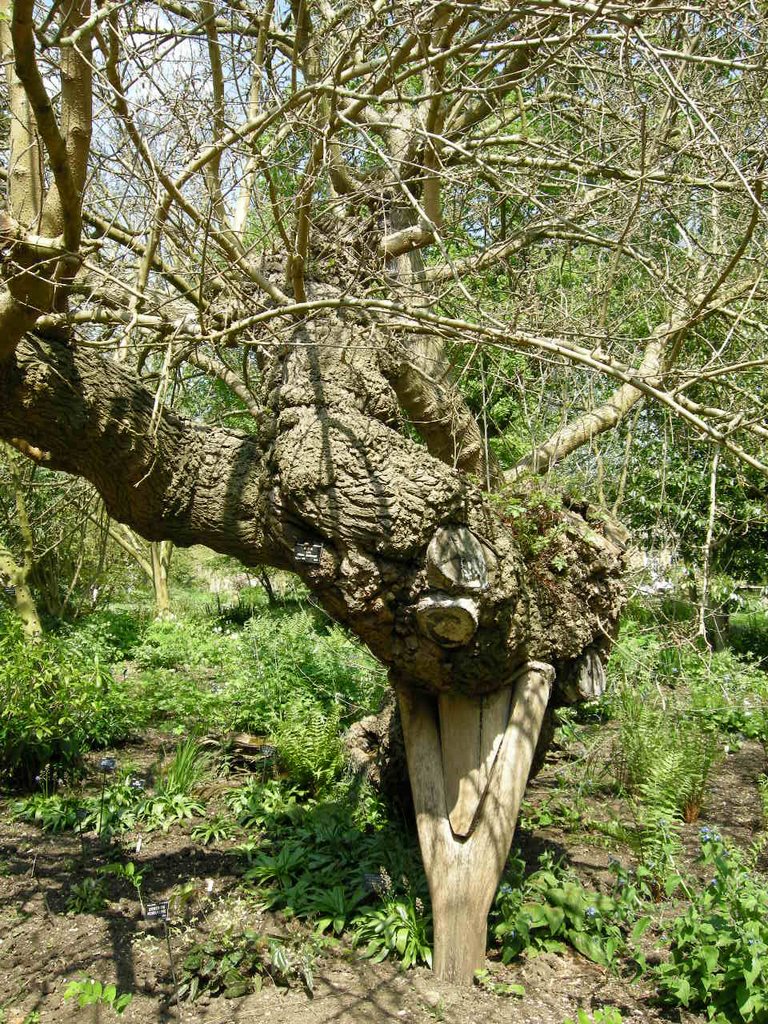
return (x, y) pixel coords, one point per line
(457, 560)
(449, 621)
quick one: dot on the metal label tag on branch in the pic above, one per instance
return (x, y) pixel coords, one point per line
(158, 911)
(108, 764)
(307, 552)
(9, 592)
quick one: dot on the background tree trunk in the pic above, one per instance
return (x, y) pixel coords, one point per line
(161, 552)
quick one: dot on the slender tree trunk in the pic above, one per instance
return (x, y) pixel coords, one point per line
(160, 553)
(18, 573)
(706, 610)
(19, 593)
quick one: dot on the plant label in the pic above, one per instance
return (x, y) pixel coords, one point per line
(158, 911)
(108, 764)
(307, 552)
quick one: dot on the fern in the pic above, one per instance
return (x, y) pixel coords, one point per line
(663, 761)
(309, 744)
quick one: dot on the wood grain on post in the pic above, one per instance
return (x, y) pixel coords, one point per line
(463, 871)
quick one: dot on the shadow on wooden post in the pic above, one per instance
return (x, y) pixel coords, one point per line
(468, 762)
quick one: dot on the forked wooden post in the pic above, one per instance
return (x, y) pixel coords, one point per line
(468, 762)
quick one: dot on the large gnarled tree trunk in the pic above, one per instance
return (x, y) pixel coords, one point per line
(474, 602)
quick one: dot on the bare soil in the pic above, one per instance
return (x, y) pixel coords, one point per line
(42, 947)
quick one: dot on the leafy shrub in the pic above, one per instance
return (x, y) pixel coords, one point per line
(244, 679)
(179, 702)
(550, 909)
(112, 634)
(57, 699)
(719, 944)
(748, 635)
(633, 657)
(172, 643)
(399, 927)
(730, 693)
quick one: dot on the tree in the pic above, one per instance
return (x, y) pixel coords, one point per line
(54, 550)
(334, 213)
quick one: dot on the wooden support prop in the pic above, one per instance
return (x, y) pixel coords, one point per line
(586, 678)
(468, 762)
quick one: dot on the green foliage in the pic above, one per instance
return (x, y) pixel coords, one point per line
(129, 873)
(748, 635)
(605, 1015)
(92, 993)
(87, 897)
(400, 927)
(111, 633)
(316, 864)
(57, 699)
(213, 830)
(177, 643)
(234, 964)
(309, 744)
(260, 670)
(163, 810)
(535, 515)
(484, 979)
(730, 693)
(663, 758)
(190, 766)
(719, 944)
(123, 805)
(551, 811)
(550, 908)
(53, 813)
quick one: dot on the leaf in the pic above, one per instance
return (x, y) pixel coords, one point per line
(194, 988)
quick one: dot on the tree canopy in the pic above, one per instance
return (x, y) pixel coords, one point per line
(580, 184)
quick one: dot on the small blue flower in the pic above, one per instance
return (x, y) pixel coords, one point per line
(591, 912)
(712, 883)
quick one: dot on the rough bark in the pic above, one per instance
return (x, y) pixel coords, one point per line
(328, 467)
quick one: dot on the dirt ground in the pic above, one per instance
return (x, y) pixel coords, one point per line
(42, 947)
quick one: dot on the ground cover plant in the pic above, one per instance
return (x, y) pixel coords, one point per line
(333, 877)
